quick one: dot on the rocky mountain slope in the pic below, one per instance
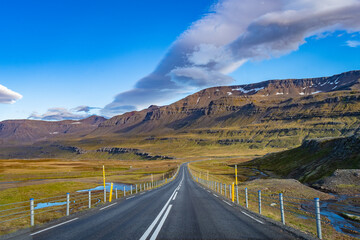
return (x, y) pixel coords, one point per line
(22, 131)
(246, 104)
(270, 114)
(324, 163)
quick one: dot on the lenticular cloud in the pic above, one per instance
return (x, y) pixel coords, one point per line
(234, 32)
(8, 96)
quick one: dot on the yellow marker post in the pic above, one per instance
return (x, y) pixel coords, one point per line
(111, 188)
(236, 182)
(104, 183)
(232, 193)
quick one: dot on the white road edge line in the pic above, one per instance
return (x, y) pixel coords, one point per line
(53, 226)
(227, 203)
(215, 195)
(142, 193)
(157, 230)
(208, 190)
(130, 197)
(252, 217)
(175, 196)
(107, 206)
(150, 228)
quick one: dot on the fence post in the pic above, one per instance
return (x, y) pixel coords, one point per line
(89, 198)
(221, 188)
(246, 198)
(67, 204)
(237, 194)
(131, 189)
(259, 192)
(225, 189)
(282, 208)
(116, 193)
(318, 217)
(32, 222)
(140, 187)
(124, 192)
(136, 188)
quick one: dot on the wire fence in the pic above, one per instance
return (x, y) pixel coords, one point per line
(35, 211)
(309, 215)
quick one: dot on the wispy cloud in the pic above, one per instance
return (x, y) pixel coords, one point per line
(233, 33)
(8, 96)
(353, 43)
(57, 114)
(84, 108)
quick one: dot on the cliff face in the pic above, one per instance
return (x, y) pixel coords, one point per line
(240, 105)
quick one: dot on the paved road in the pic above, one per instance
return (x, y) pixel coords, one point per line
(179, 210)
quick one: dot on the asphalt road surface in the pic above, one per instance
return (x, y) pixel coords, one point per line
(181, 209)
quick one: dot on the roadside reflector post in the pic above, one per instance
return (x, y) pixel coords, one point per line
(116, 193)
(32, 218)
(89, 198)
(232, 191)
(104, 183)
(282, 208)
(140, 187)
(237, 194)
(236, 179)
(221, 188)
(111, 190)
(67, 204)
(225, 189)
(318, 217)
(131, 190)
(259, 193)
(124, 192)
(246, 198)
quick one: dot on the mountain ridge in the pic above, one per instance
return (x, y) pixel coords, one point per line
(238, 106)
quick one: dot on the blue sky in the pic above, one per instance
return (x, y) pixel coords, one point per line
(60, 55)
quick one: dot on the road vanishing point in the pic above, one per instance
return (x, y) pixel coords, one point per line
(181, 209)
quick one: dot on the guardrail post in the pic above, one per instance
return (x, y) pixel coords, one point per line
(89, 198)
(282, 208)
(259, 192)
(318, 217)
(246, 198)
(221, 188)
(67, 204)
(140, 187)
(237, 194)
(32, 218)
(131, 189)
(136, 188)
(116, 193)
(225, 189)
(124, 192)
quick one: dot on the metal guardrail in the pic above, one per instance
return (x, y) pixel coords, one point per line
(285, 205)
(17, 215)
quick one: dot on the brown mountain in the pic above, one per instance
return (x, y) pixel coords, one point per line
(22, 131)
(236, 106)
(275, 113)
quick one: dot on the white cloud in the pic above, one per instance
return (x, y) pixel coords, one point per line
(353, 44)
(237, 31)
(57, 114)
(8, 96)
